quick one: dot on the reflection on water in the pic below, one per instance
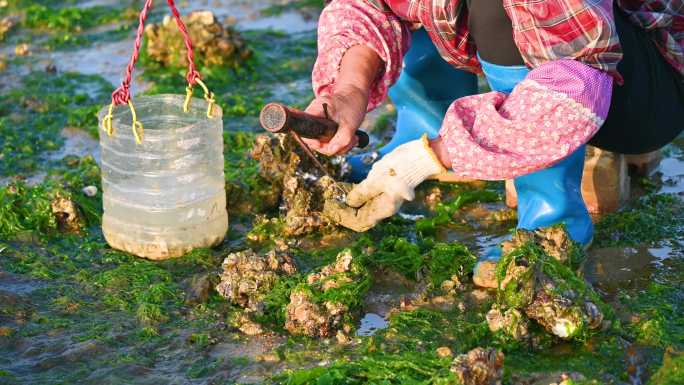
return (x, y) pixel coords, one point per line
(370, 323)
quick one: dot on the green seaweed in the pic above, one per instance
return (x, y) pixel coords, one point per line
(672, 370)
(42, 17)
(652, 218)
(438, 260)
(32, 116)
(277, 9)
(445, 211)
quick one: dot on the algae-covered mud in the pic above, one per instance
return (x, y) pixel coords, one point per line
(289, 297)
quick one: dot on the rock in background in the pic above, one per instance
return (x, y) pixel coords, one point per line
(213, 43)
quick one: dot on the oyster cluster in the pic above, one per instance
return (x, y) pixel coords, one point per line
(313, 309)
(248, 276)
(479, 367)
(554, 240)
(303, 188)
(69, 218)
(539, 285)
(213, 43)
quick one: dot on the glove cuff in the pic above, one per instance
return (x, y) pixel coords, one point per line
(421, 162)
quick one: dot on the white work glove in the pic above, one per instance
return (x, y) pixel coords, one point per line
(391, 181)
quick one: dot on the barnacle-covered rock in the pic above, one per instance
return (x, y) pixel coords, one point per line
(69, 219)
(563, 314)
(304, 189)
(6, 25)
(22, 49)
(213, 43)
(554, 240)
(321, 307)
(542, 286)
(479, 367)
(306, 317)
(248, 276)
(510, 321)
(246, 325)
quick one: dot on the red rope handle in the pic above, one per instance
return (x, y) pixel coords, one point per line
(122, 95)
(192, 75)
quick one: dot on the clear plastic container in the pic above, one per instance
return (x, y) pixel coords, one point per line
(166, 196)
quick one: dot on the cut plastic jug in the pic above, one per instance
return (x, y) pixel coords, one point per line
(165, 195)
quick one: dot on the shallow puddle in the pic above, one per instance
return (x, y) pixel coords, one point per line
(371, 323)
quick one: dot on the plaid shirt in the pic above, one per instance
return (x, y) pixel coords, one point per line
(546, 30)
(665, 21)
(559, 106)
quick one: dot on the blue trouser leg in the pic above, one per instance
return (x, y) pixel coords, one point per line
(425, 90)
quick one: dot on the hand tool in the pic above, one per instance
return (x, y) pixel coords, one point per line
(278, 118)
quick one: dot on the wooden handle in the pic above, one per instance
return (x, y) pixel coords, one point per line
(278, 118)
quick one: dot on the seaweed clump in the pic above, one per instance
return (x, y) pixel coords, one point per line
(325, 303)
(214, 44)
(537, 281)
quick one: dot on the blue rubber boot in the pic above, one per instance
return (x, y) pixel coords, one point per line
(422, 94)
(545, 197)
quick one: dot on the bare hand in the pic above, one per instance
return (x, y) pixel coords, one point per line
(347, 107)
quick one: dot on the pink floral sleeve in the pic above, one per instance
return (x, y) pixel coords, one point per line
(557, 108)
(346, 23)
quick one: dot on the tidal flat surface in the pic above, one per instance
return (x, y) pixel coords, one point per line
(74, 311)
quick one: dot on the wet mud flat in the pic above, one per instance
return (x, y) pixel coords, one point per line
(289, 297)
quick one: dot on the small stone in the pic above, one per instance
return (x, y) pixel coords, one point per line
(342, 338)
(90, 191)
(249, 327)
(479, 367)
(444, 351)
(6, 24)
(51, 68)
(22, 49)
(66, 212)
(511, 322)
(268, 357)
(484, 274)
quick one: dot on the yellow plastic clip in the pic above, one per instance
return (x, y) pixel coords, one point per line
(107, 121)
(137, 126)
(188, 97)
(209, 97)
